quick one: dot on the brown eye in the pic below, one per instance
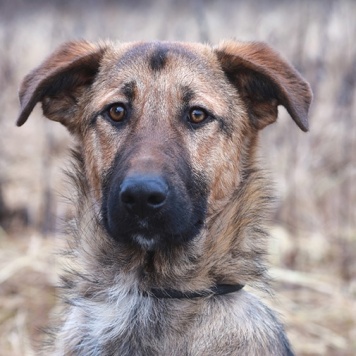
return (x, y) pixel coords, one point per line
(196, 116)
(117, 112)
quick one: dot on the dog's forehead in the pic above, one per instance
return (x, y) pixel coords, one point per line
(161, 69)
(158, 54)
(149, 59)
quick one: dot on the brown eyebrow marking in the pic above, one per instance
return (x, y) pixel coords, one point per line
(188, 94)
(129, 90)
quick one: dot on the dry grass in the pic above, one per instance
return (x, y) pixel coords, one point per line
(27, 277)
(313, 252)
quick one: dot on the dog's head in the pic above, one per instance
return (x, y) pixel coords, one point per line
(167, 130)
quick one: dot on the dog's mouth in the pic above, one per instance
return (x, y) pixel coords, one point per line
(151, 240)
(150, 235)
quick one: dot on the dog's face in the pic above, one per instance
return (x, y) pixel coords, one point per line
(154, 117)
(167, 130)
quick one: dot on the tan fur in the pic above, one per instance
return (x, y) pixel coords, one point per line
(241, 84)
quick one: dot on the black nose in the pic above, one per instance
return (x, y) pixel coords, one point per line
(143, 195)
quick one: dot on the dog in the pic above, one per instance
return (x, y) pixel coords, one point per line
(171, 199)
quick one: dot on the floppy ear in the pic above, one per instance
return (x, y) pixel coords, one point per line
(265, 80)
(59, 81)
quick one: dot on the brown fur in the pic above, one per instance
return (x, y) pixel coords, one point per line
(240, 85)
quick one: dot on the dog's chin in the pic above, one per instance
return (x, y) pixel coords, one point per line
(148, 240)
(154, 241)
(148, 243)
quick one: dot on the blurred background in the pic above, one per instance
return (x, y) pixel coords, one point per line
(313, 244)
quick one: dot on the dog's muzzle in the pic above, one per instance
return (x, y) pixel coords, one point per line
(148, 210)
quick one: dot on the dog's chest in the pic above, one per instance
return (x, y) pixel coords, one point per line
(134, 326)
(163, 327)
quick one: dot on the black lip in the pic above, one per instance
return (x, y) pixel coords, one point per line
(163, 235)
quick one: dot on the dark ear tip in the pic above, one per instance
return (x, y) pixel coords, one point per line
(303, 124)
(21, 120)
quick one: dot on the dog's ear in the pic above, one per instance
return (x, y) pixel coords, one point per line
(59, 81)
(264, 81)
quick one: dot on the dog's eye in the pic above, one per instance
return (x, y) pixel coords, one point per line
(197, 115)
(117, 112)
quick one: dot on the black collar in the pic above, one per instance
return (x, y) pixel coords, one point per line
(217, 289)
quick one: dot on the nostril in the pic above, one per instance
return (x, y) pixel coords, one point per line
(156, 199)
(128, 198)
